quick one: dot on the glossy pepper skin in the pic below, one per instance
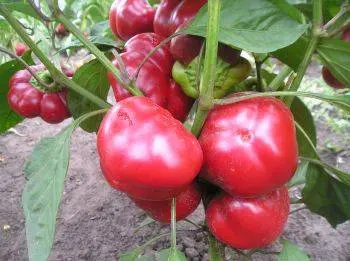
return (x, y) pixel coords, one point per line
(154, 78)
(128, 18)
(247, 223)
(144, 151)
(186, 202)
(171, 17)
(20, 49)
(29, 102)
(249, 147)
(328, 77)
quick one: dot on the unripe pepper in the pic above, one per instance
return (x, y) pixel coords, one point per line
(227, 76)
(145, 152)
(247, 223)
(27, 99)
(154, 78)
(186, 202)
(128, 18)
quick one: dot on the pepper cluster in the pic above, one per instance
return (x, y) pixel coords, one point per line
(246, 153)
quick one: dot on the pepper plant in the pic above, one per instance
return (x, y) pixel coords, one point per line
(199, 118)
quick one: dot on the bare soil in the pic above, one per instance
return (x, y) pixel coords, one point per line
(96, 222)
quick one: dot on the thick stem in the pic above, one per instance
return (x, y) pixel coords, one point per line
(208, 76)
(56, 74)
(279, 79)
(316, 30)
(94, 50)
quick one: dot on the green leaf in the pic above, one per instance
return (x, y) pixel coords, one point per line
(326, 196)
(22, 7)
(292, 55)
(304, 119)
(170, 254)
(291, 252)
(93, 76)
(46, 171)
(334, 172)
(329, 7)
(253, 25)
(102, 42)
(131, 256)
(300, 175)
(335, 54)
(214, 249)
(9, 118)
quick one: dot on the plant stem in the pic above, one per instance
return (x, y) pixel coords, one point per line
(173, 222)
(316, 30)
(338, 22)
(279, 79)
(57, 75)
(258, 65)
(94, 50)
(208, 76)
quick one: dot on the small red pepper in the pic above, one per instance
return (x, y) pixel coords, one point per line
(172, 16)
(131, 17)
(28, 101)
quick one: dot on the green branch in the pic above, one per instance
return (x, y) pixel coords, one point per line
(208, 76)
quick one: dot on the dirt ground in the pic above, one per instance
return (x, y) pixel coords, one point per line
(96, 222)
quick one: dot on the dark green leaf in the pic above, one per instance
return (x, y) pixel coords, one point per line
(9, 118)
(46, 170)
(291, 252)
(335, 54)
(93, 77)
(300, 175)
(253, 25)
(303, 117)
(334, 172)
(326, 196)
(170, 254)
(292, 55)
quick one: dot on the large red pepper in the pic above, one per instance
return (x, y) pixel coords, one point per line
(171, 16)
(28, 101)
(186, 202)
(145, 152)
(249, 147)
(154, 78)
(131, 17)
(247, 223)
